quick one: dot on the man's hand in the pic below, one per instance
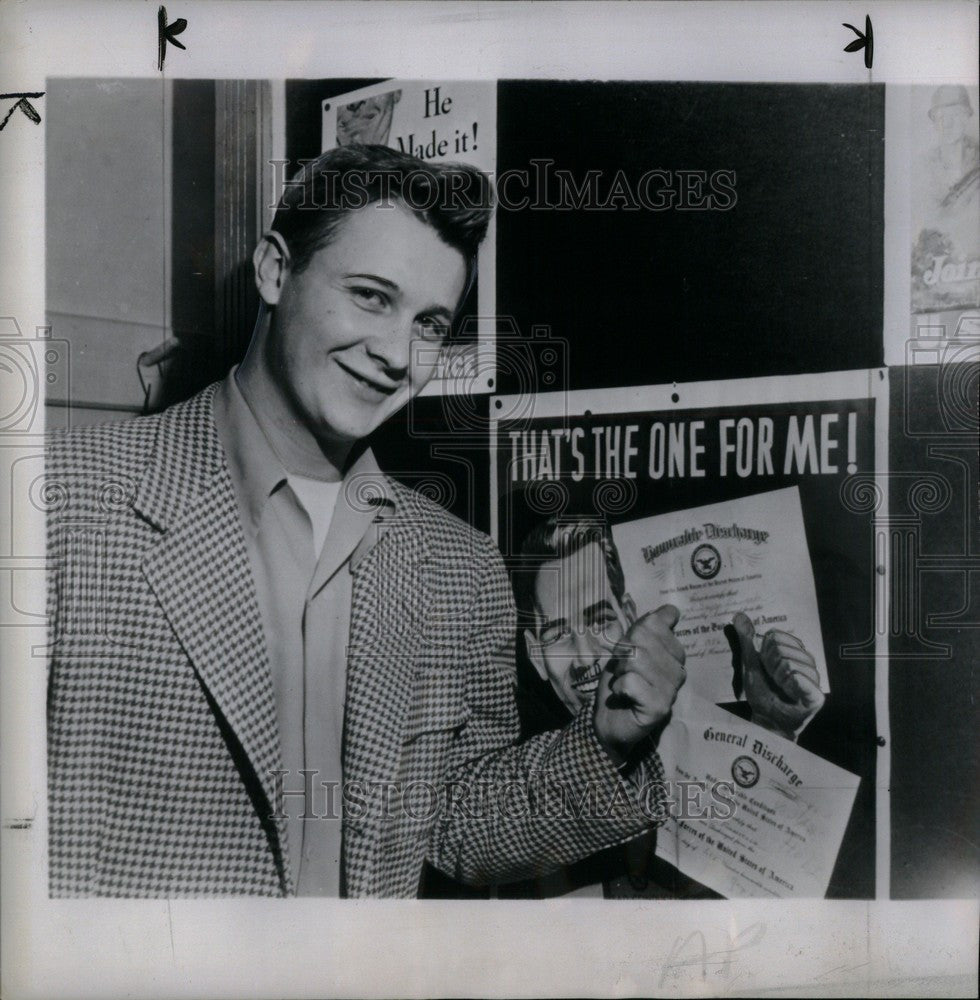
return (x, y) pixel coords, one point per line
(639, 683)
(781, 680)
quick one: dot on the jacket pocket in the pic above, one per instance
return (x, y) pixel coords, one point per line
(437, 705)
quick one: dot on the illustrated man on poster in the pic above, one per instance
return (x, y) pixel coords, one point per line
(367, 121)
(946, 249)
(571, 594)
(954, 160)
(277, 671)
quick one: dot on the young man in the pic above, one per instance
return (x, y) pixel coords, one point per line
(572, 596)
(273, 669)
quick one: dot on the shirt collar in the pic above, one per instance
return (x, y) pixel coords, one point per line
(361, 516)
(257, 471)
(255, 468)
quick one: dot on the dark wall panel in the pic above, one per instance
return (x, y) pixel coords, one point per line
(933, 669)
(787, 280)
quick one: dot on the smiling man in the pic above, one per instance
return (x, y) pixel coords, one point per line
(274, 670)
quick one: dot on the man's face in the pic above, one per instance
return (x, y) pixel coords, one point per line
(341, 344)
(950, 122)
(580, 621)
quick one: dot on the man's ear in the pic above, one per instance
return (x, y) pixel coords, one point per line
(629, 608)
(271, 261)
(534, 653)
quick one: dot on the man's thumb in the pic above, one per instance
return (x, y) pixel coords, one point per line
(668, 614)
(746, 634)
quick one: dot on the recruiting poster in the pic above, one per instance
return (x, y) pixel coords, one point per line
(436, 121)
(733, 497)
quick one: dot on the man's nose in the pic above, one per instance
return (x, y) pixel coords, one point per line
(585, 646)
(392, 348)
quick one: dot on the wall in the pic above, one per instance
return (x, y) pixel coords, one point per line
(107, 218)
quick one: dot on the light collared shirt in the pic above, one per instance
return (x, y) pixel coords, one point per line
(304, 594)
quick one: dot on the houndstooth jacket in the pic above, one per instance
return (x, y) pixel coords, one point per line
(162, 733)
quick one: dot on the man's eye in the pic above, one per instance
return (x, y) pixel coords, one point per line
(603, 623)
(554, 634)
(370, 298)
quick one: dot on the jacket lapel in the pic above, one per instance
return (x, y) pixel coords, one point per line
(383, 649)
(385, 642)
(199, 570)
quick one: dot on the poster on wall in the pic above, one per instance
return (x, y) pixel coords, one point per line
(436, 121)
(945, 196)
(737, 503)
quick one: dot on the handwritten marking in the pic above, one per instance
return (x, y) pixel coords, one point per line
(681, 955)
(168, 33)
(864, 41)
(841, 968)
(24, 104)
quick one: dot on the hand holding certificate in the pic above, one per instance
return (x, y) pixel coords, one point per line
(628, 668)
(743, 562)
(748, 555)
(781, 680)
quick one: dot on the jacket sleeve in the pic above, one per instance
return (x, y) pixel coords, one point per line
(514, 810)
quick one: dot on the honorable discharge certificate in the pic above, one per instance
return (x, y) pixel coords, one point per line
(746, 555)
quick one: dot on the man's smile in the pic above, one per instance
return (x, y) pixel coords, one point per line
(383, 387)
(586, 679)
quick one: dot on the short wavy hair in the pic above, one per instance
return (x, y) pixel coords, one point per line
(455, 199)
(557, 537)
